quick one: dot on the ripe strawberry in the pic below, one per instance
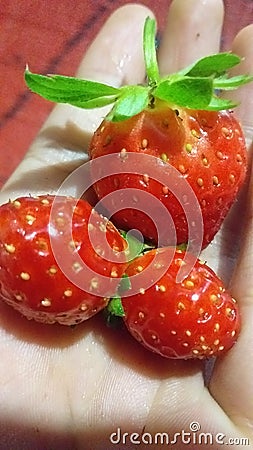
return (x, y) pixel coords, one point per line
(206, 147)
(179, 120)
(60, 261)
(192, 318)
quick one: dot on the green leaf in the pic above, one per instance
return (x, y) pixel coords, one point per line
(217, 104)
(149, 49)
(132, 100)
(231, 83)
(212, 65)
(188, 92)
(75, 91)
(194, 87)
(91, 104)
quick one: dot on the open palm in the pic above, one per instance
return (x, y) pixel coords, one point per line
(84, 388)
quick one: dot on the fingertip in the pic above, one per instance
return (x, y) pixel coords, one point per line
(243, 47)
(116, 55)
(193, 30)
(245, 36)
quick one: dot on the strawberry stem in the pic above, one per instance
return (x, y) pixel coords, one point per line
(149, 50)
(114, 313)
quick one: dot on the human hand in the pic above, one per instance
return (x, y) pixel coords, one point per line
(71, 388)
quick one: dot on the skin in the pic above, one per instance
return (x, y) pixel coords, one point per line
(64, 388)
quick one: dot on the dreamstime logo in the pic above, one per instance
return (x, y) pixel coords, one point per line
(192, 436)
(132, 164)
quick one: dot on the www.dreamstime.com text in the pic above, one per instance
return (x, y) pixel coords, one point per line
(193, 435)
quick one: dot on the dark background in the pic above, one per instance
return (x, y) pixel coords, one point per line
(52, 37)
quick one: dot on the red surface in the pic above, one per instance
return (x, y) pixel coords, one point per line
(52, 37)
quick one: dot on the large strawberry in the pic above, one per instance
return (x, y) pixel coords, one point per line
(60, 261)
(206, 148)
(187, 315)
(182, 123)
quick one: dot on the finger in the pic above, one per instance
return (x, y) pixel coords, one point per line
(234, 373)
(188, 35)
(243, 46)
(115, 57)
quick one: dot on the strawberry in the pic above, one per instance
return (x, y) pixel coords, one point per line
(182, 123)
(207, 148)
(193, 317)
(60, 261)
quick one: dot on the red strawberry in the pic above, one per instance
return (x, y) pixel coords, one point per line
(206, 148)
(181, 121)
(60, 261)
(192, 318)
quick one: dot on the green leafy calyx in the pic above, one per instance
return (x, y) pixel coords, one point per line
(195, 87)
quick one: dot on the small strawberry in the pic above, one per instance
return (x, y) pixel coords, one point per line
(60, 261)
(182, 123)
(194, 317)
